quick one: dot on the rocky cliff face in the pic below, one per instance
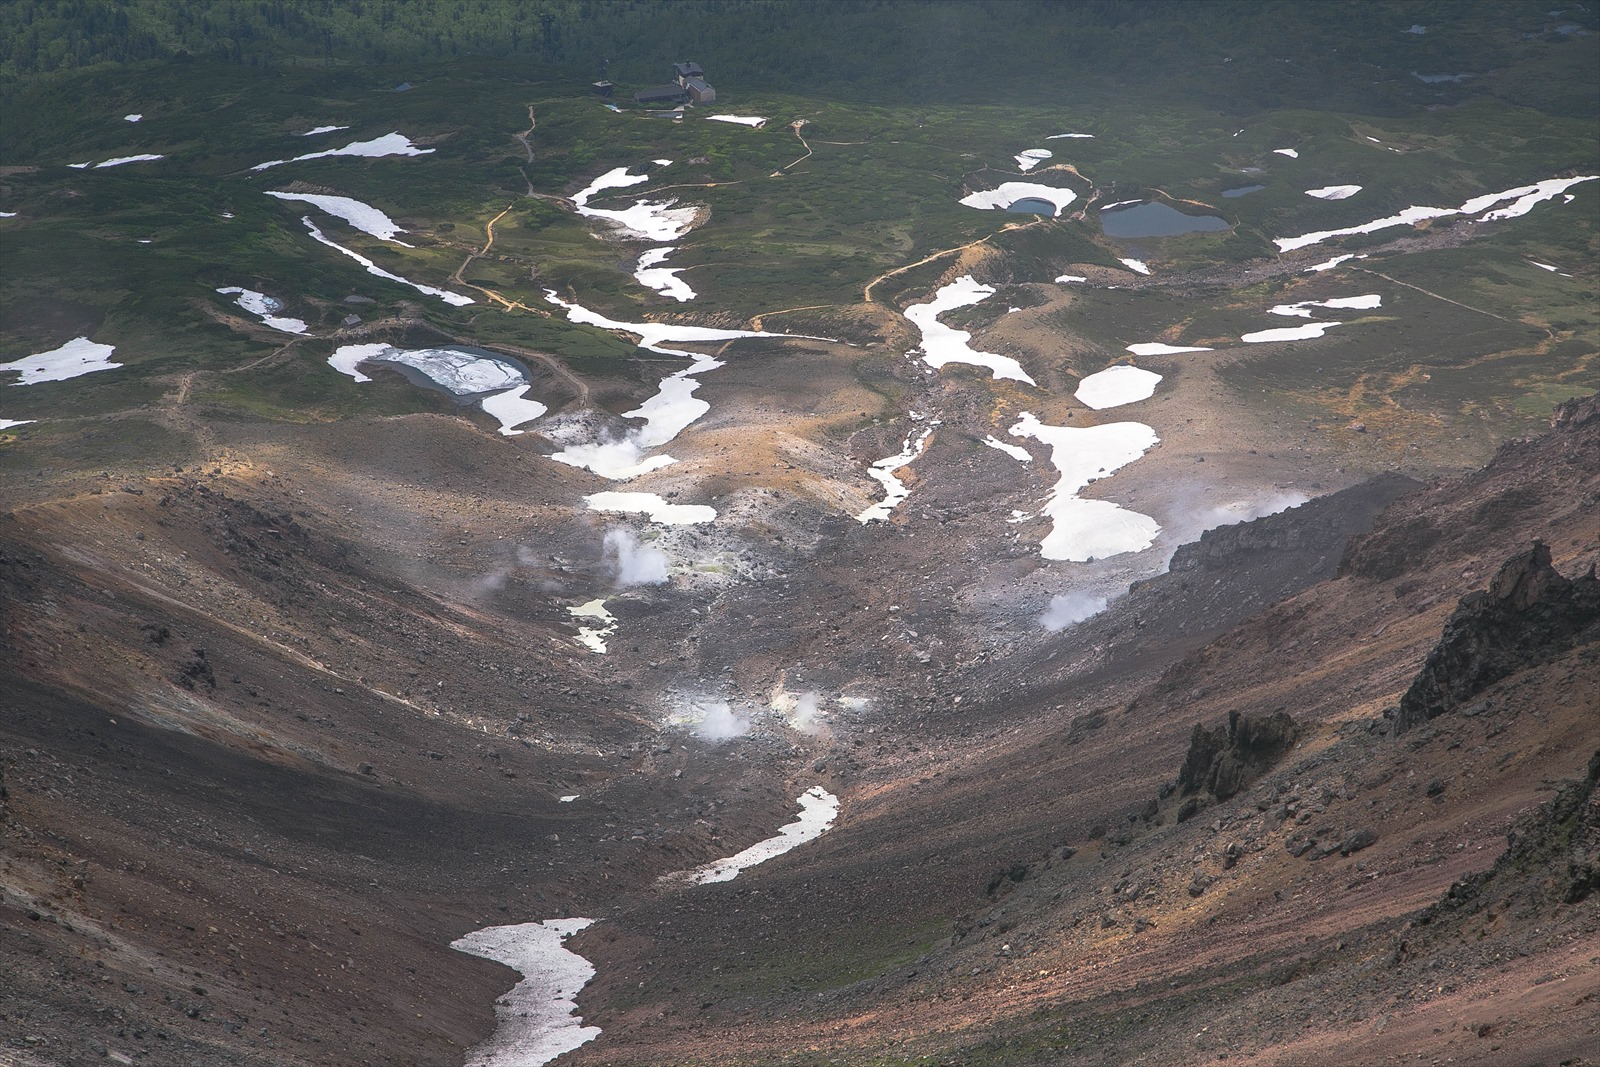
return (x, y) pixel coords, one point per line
(1529, 615)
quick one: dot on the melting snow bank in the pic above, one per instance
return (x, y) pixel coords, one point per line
(1138, 266)
(262, 306)
(1059, 136)
(653, 506)
(818, 809)
(1010, 192)
(512, 409)
(6, 424)
(132, 118)
(1523, 198)
(78, 356)
(372, 268)
(1029, 158)
(645, 220)
(594, 637)
(120, 160)
(390, 144)
(1091, 529)
(663, 280)
(363, 217)
(1155, 348)
(323, 129)
(1334, 192)
(753, 121)
(894, 490)
(1063, 279)
(537, 1020)
(942, 344)
(667, 413)
(1291, 153)
(1302, 309)
(1116, 386)
(1290, 333)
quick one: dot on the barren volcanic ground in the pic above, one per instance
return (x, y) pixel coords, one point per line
(1201, 640)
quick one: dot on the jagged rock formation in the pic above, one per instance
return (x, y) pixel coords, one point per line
(1529, 615)
(1225, 760)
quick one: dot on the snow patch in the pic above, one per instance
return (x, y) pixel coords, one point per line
(537, 1020)
(1029, 158)
(363, 217)
(263, 306)
(1523, 198)
(1290, 333)
(372, 268)
(1291, 153)
(1155, 348)
(322, 129)
(512, 409)
(653, 506)
(1116, 386)
(1010, 192)
(120, 160)
(1302, 309)
(663, 280)
(882, 472)
(943, 344)
(1334, 192)
(390, 144)
(1138, 266)
(1059, 136)
(1090, 529)
(1334, 262)
(1063, 279)
(78, 356)
(645, 220)
(1016, 452)
(818, 809)
(132, 118)
(753, 121)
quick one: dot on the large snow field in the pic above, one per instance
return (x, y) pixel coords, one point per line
(943, 344)
(78, 356)
(462, 372)
(537, 1020)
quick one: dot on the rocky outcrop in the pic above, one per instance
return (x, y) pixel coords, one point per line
(1552, 857)
(1320, 527)
(1529, 615)
(1225, 760)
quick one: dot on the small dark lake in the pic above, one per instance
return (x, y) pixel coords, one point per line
(1032, 205)
(1243, 190)
(1156, 220)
